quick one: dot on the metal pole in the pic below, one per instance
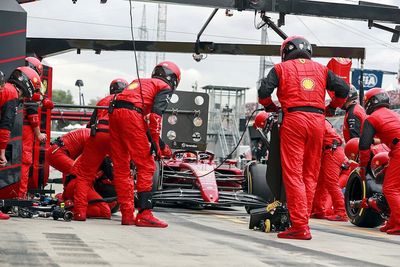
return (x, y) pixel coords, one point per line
(361, 88)
(80, 102)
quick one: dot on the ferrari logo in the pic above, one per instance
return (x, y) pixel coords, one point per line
(377, 162)
(133, 86)
(35, 80)
(302, 60)
(308, 84)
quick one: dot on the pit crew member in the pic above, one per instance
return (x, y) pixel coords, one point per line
(385, 124)
(142, 98)
(328, 181)
(22, 83)
(355, 116)
(94, 152)
(30, 130)
(301, 85)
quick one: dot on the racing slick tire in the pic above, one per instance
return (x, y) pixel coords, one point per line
(255, 173)
(157, 185)
(356, 190)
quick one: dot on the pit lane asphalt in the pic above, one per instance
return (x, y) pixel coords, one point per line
(194, 238)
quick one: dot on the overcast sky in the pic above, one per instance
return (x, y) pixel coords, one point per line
(89, 19)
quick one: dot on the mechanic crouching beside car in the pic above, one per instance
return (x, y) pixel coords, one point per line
(384, 124)
(301, 85)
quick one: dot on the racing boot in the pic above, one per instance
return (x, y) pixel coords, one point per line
(4, 216)
(318, 215)
(145, 218)
(394, 230)
(337, 218)
(302, 233)
(386, 226)
(128, 217)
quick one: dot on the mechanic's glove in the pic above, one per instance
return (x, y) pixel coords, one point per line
(330, 111)
(362, 172)
(36, 97)
(166, 152)
(155, 150)
(42, 137)
(47, 103)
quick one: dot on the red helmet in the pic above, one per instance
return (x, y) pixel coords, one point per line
(351, 149)
(378, 165)
(374, 98)
(168, 72)
(295, 47)
(34, 64)
(26, 80)
(117, 85)
(260, 120)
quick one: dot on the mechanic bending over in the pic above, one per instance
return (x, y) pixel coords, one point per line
(385, 124)
(301, 85)
(142, 98)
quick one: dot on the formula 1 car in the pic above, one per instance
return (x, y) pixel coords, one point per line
(365, 203)
(191, 178)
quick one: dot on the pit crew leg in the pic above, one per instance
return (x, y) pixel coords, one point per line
(121, 135)
(293, 137)
(312, 155)
(27, 147)
(97, 210)
(145, 168)
(322, 203)
(85, 169)
(331, 181)
(390, 188)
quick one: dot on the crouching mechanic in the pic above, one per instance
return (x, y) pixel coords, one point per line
(128, 128)
(385, 124)
(94, 152)
(328, 181)
(301, 85)
(61, 155)
(22, 84)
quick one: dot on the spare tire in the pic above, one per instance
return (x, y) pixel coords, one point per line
(255, 174)
(356, 189)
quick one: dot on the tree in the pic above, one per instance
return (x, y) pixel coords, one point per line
(93, 101)
(61, 96)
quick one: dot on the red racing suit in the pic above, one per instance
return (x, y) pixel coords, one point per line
(66, 149)
(30, 122)
(86, 167)
(385, 124)
(353, 121)
(62, 155)
(8, 108)
(328, 181)
(129, 141)
(301, 87)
